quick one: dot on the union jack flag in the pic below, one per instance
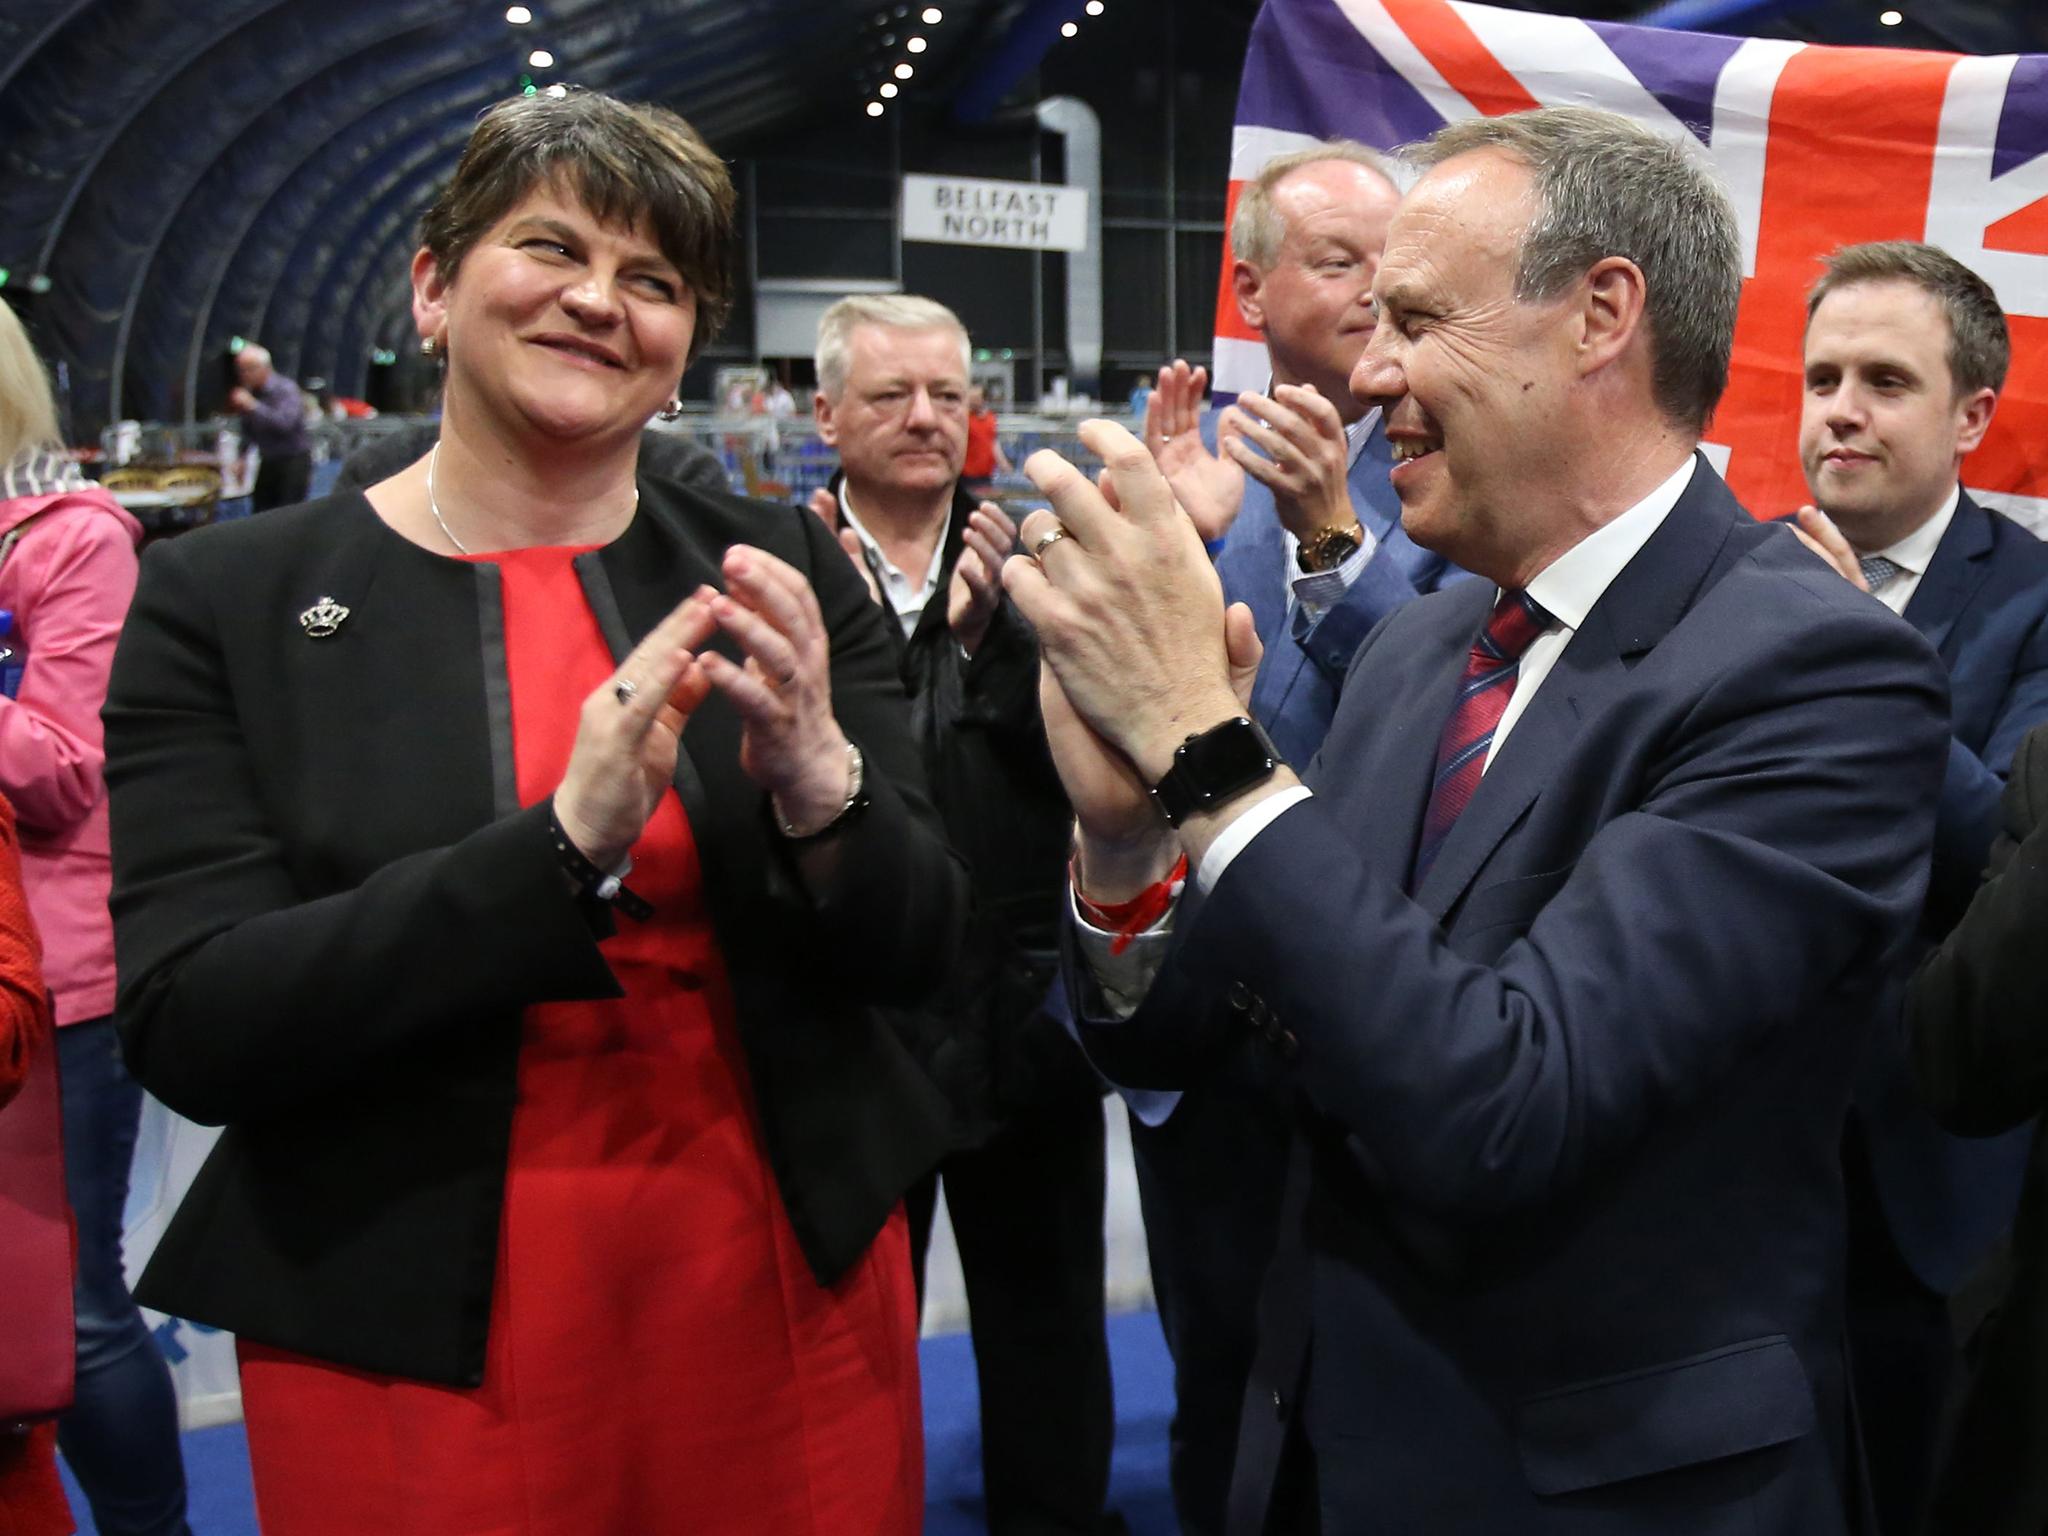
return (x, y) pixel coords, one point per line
(1818, 147)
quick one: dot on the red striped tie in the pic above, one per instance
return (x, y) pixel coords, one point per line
(1483, 694)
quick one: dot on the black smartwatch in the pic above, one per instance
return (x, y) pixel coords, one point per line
(1214, 765)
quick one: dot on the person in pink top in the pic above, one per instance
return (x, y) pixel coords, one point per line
(67, 572)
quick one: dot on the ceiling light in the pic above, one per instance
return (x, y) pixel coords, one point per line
(874, 109)
(540, 58)
(933, 16)
(518, 15)
(888, 91)
(915, 45)
(1891, 18)
(904, 71)
(1094, 7)
(1069, 29)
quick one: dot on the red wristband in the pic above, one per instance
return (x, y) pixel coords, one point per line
(1128, 919)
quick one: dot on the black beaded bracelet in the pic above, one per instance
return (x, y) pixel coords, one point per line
(592, 881)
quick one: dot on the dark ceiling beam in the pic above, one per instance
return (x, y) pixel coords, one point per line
(317, 141)
(192, 123)
(189, 240)
(1031, 34)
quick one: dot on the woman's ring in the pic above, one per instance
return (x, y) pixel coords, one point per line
(624, 689)
(1046, 540)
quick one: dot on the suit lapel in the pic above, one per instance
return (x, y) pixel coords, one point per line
(1639, 608)
(1250, 563)
(1960, 566)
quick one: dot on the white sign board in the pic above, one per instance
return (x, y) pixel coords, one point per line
(1016, 215)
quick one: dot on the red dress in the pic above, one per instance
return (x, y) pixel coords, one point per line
(661, 1358)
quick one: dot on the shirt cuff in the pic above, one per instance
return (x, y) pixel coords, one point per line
(1125, 978)
(1236, 837)
(1320, 591)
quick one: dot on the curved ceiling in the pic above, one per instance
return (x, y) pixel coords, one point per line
(175, 176)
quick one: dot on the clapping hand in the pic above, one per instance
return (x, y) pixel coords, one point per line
(826, 506)
(977, 587)
(628, 733)
(1293, 443)
(790, 741)
(1131, 623)
(1209, 489)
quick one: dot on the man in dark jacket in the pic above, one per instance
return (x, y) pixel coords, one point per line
(1026, 1197)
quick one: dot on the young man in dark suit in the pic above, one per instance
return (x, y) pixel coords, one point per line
(1564, 949)
(1906, 351)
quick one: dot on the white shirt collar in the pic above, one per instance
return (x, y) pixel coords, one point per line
(906, 598)
(1916, 549)
(1571, 584)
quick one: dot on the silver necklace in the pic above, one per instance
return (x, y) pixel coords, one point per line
(433, 506)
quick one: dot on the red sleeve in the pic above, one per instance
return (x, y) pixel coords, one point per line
(24, 1009)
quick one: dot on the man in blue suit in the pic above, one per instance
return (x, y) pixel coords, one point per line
(1565, 946)
(1906, 350)
(1291, 489)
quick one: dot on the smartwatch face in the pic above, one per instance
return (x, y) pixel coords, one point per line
(1226, 760)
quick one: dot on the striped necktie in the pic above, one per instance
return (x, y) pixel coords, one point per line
(1483, 694)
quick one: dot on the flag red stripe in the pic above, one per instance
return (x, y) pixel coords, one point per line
(1467, 65)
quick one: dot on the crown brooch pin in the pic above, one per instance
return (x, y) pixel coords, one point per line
(323, 618)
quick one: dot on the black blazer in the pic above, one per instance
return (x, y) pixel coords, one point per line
(330, 911)
(1978, 1015)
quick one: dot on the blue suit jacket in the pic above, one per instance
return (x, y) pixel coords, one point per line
(1296, 691)
(1983, 605)
(1574, 1223)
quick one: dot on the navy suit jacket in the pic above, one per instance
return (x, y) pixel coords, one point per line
(1296, 691)
(1983, 605)
(1574, 1222)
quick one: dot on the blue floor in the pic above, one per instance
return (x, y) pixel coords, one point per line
(217, 1460)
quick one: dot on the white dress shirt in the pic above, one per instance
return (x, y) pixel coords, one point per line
(1912, 555)
(905, 595)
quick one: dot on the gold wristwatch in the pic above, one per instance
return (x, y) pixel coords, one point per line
(1328, 548)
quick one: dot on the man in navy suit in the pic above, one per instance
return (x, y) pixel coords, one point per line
(1292, 493)
(1906, 350)
(1565, 946)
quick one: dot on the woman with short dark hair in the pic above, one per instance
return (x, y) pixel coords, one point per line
(506, 855)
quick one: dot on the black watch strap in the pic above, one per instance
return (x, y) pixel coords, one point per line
(592, 883)
(1213, 766)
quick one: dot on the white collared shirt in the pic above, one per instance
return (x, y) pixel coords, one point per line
(906, 598)
(1913, 553)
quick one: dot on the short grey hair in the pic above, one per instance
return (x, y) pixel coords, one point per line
(1256, 228)
(892, 311)
(1979, 343)
(1607, 186)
